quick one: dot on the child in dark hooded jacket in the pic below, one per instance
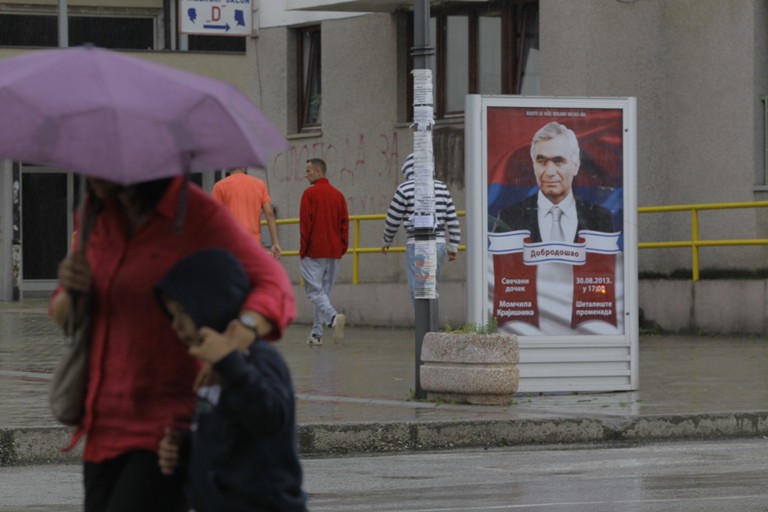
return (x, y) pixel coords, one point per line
(242, 450)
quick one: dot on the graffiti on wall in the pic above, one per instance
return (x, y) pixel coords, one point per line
(353, 159)
(356, 164)
(366, 167)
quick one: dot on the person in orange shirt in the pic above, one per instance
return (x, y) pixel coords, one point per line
(246, 197)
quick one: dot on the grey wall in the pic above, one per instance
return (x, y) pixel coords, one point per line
(697, 67)
(698, 70)
(362, 139)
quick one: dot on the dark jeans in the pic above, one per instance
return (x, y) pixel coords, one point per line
(132, 482)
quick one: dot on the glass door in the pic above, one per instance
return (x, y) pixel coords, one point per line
(47, 210)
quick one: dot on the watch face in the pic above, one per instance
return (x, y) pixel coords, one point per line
(250, 323)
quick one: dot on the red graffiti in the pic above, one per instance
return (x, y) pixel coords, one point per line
(347, 162)
(362, 204)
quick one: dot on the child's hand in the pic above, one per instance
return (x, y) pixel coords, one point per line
(205, 377)
(213, 346)
(168, 451)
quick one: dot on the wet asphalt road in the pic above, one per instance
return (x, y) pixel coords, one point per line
(670, 477)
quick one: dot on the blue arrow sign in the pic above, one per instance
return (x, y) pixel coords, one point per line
(215, 17)
(218, 27)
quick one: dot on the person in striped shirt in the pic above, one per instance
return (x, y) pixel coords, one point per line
(447, 229)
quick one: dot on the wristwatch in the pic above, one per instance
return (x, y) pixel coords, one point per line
(249, 323)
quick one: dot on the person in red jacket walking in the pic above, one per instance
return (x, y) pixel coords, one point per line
(324, 226)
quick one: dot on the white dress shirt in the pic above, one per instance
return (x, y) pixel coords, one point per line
(568, 221)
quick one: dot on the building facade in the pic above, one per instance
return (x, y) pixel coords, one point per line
(333, 75)
(37, 203)
(698, 69)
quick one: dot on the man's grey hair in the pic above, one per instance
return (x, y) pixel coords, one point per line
(554, 129)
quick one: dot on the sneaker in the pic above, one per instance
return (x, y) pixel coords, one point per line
(338, 326)
(314, 341)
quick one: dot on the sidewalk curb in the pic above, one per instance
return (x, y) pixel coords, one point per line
(36, 445)
(343, 439)
(42, 445)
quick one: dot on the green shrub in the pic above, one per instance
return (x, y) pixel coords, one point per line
(491, 327)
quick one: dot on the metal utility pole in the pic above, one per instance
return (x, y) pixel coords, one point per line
(425, 302)
(63, 24)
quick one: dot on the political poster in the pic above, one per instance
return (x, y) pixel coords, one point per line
(555, 212)
(551, 182)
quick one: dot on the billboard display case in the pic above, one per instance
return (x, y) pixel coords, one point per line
(552, 243)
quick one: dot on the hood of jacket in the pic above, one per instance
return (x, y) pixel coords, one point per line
(407, 168)
(210, 284)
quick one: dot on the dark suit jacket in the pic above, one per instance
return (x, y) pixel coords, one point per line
(524, 215)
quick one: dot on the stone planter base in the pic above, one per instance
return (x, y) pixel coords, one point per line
(470, 368)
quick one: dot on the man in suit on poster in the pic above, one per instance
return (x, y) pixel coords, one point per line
(555, 154)
(555, 216)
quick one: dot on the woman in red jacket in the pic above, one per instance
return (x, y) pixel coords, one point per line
(140, 376)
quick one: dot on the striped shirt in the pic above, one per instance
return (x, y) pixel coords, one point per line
(401, 212)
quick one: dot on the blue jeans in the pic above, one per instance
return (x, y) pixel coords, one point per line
(319, 276)
(410, 263)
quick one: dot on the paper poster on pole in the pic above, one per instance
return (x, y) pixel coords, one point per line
(423, 117)
(423, 155)
(423, 177)
(425, 277)
(422, 87)
(424, 221)
(558, 210)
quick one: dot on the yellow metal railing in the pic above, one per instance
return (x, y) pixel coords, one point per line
(695, 242)
(355, 250)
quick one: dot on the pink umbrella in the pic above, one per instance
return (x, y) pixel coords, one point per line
(107, 115)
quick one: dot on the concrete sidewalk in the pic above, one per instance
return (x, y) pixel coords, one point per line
(353, 397)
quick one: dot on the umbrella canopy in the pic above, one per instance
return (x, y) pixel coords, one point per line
(107, 115)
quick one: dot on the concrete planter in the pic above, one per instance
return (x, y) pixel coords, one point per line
(473, 368)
